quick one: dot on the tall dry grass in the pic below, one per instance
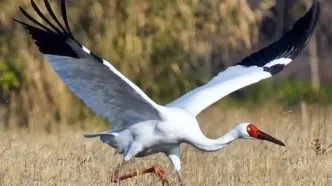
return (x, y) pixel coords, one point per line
(68, 159)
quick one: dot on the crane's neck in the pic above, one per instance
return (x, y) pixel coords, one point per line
(203, 143)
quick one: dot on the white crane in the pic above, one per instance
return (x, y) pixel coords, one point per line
(140, 126)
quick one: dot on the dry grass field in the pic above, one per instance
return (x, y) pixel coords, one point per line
(66, 158)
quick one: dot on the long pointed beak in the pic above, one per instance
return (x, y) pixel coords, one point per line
(263, 136)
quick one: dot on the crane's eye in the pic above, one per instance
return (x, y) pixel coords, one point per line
(252, 130)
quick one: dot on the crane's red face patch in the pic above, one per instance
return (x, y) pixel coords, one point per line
(252, 130)
(255, 133)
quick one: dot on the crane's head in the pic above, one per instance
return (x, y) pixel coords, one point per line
(249, 130)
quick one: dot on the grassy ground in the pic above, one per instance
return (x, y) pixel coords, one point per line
(69, 159)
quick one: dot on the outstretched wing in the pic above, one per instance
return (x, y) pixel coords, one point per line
(95, 81)
(260, 65)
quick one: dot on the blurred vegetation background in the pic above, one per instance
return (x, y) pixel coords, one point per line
(166, 47)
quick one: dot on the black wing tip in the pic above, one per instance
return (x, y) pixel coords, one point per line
(314, 10)
(303, 30)
(64, 15)
(289, 45)
(311, 17)
(49, 41)
(48, 22)
(16, 20)
(299, 35)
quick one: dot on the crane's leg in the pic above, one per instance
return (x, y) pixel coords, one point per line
(132, 151)
(180, 178)
(160, 172)
(174, 156)
(116, 173)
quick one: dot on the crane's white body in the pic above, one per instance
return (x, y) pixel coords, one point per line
(140, 126)
(153, 136)
(177, 126)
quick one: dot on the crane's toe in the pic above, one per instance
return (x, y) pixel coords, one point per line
(115, 177)
(161, 173)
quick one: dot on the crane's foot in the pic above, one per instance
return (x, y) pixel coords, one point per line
(116, 174)
(180, 178)
(160, 172)
(115, 177)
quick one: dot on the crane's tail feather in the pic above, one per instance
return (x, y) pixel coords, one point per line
(106, 133)
(107, 137)
(90, 135)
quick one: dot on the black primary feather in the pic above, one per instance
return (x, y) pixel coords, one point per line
(288, 46)
(64, 15)
(56, 41)
(35, 7)
(32, 20)
(49, 9)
